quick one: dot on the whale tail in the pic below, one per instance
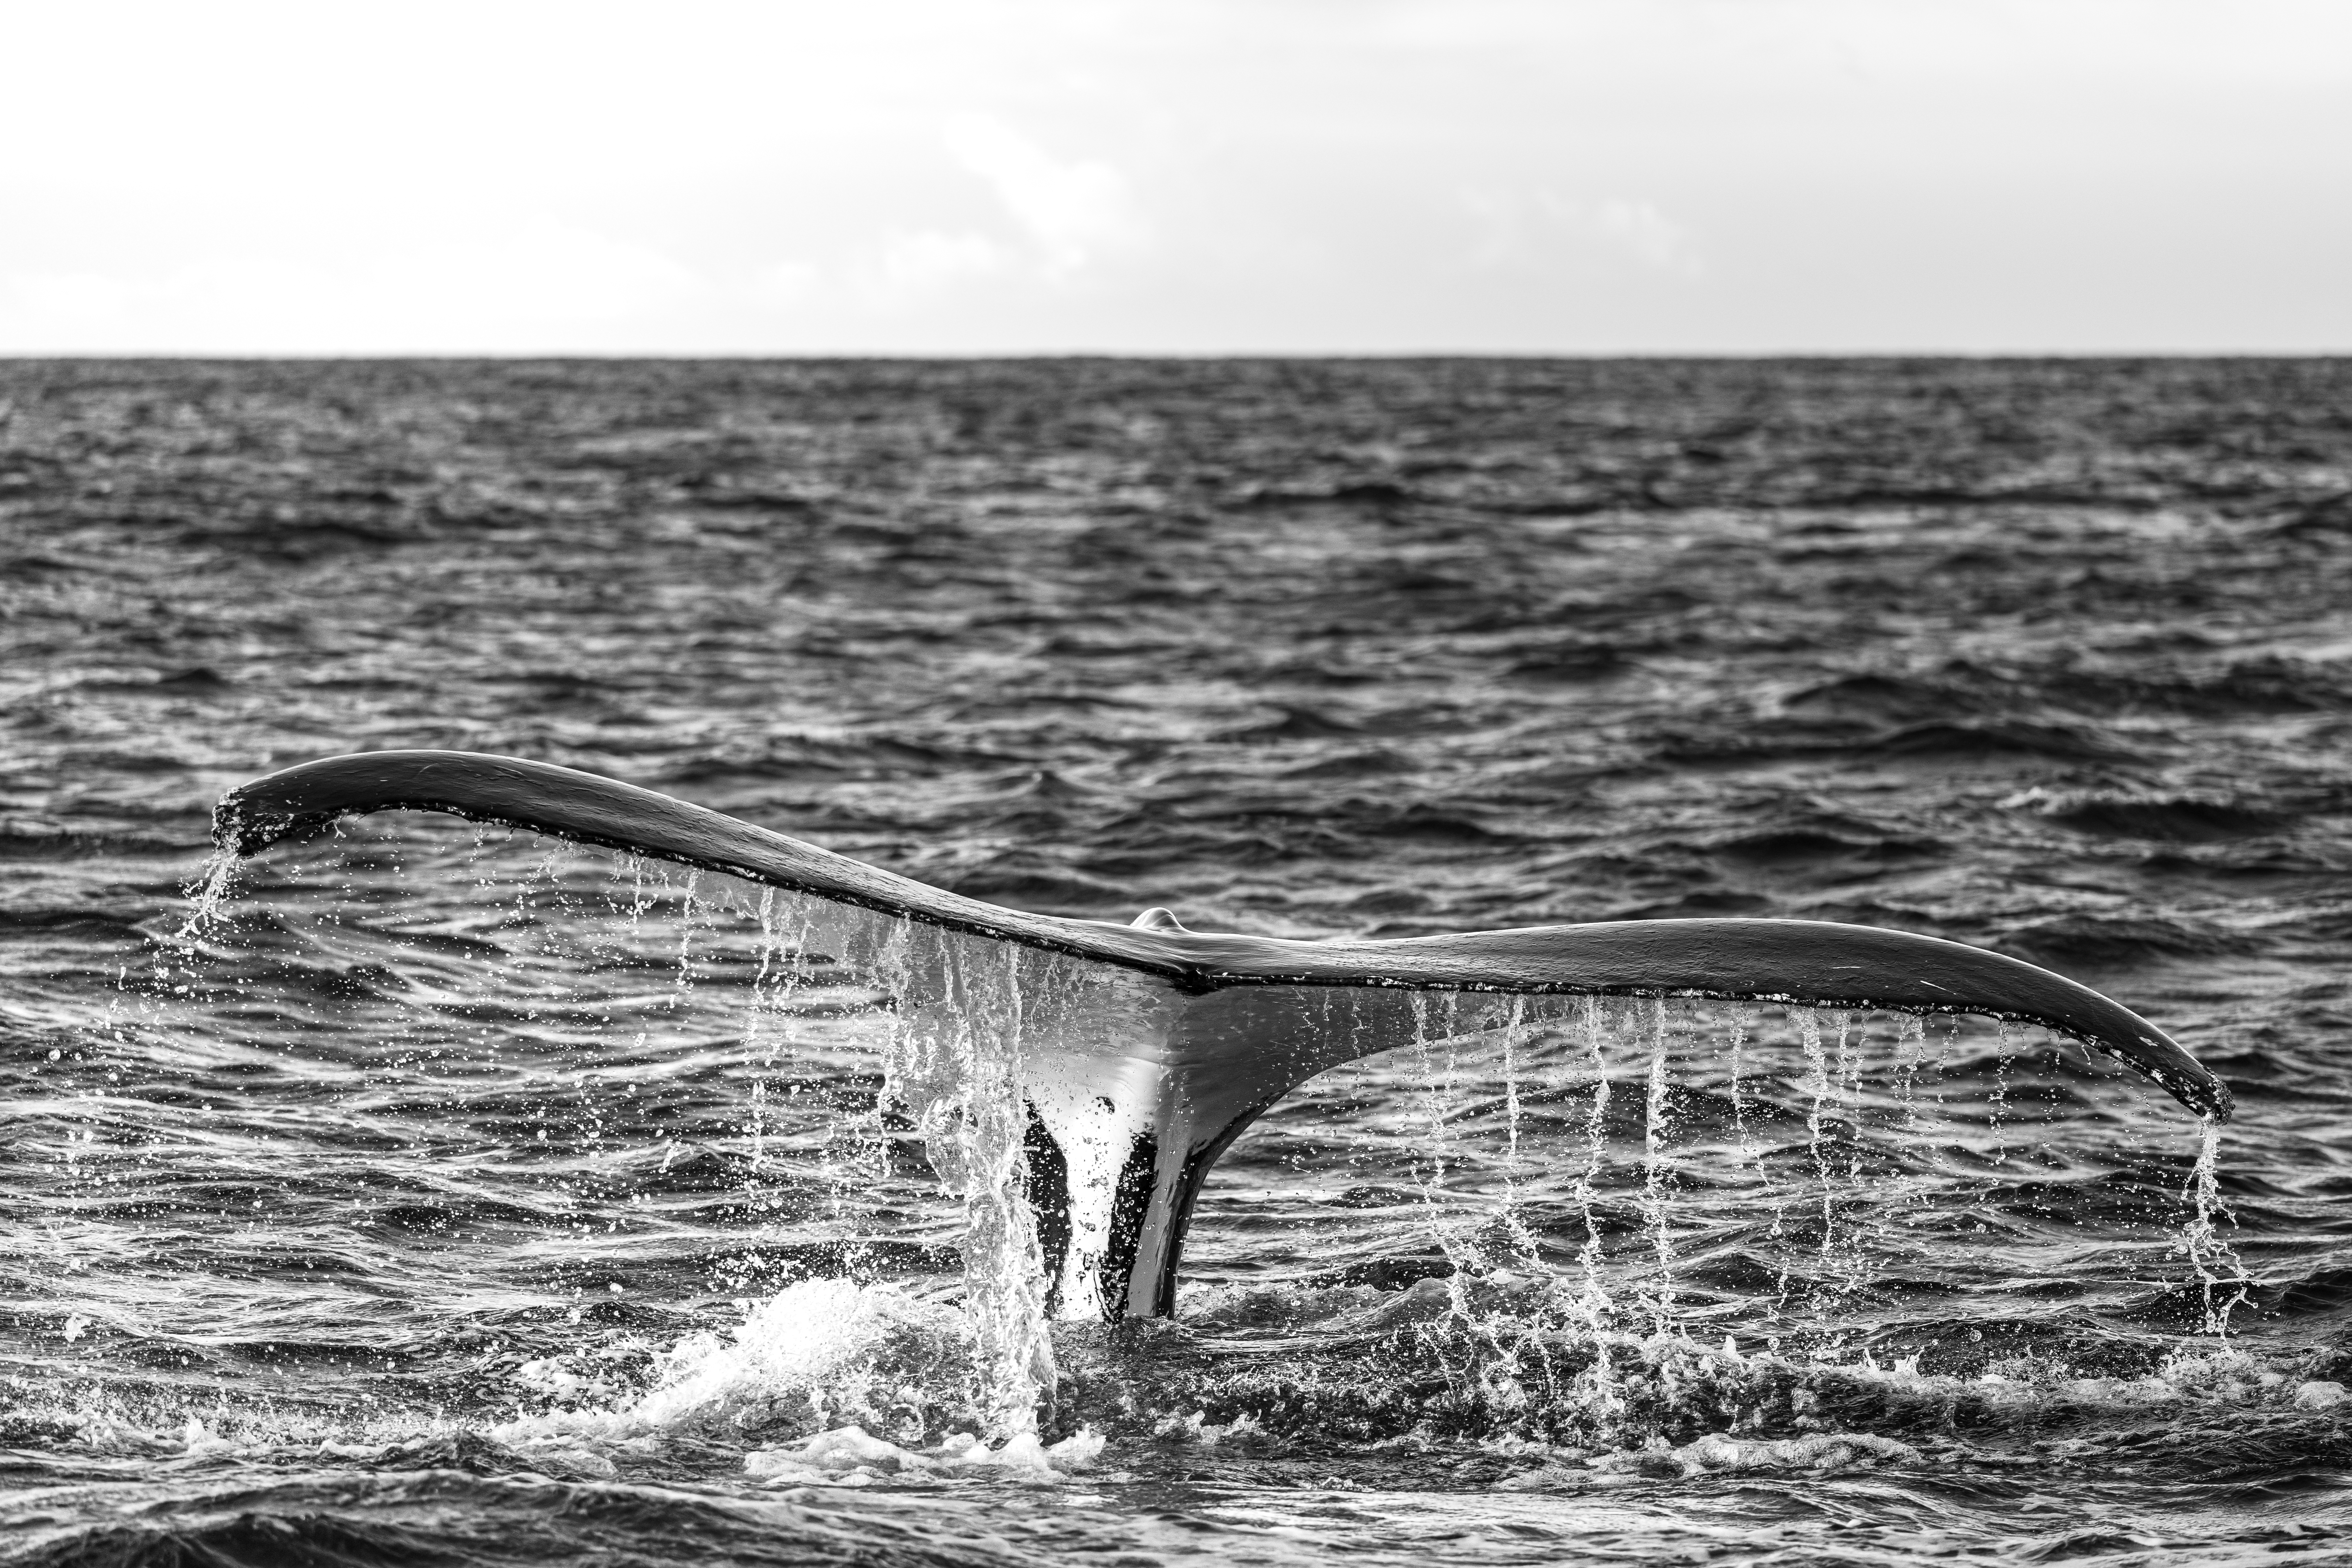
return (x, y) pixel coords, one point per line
(1135, 1075)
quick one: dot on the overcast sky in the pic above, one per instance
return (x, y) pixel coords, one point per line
(1182, 175)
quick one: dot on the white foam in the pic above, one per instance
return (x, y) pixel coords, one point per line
(808, 1351)
(1822, 1453)
(849, 1456)
(199, 1441)
(2320, 1395)
(1718, 1454)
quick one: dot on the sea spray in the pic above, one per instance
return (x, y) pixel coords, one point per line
(1739, 1022)
(1998, 1113)
(1436, 1037)
(818, 1354)
(977, 1019)
(1520, 1240)
(1429, 1166)
(2201, 1238)
(849, 1456)
(1592, 1303)
(954, 1065)
(207, 893)
(1657, 1127)
(1595, 1299)
(1910, 1051)
(1513, 1024)
(685, 916)
(1817, 1094)
(1849, 1077)
(1854, 1245)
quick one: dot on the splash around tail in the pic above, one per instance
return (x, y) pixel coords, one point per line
(1214, 1028)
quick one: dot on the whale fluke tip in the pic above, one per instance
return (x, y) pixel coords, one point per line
(241, 832)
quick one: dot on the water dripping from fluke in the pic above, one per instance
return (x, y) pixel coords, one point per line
(1073, 1082)
(207, 892)
(1138, 1054)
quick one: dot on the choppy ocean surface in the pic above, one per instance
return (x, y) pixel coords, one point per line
(447, 1195)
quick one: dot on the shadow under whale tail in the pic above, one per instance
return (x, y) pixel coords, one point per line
(1124, 1122)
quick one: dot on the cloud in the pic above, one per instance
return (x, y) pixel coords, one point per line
(71, 299)
(913, 266)
(1067, 216)
(523, 289)
(787, 283)
(1073, 213)
(1514, 226)
(1521, 230)
(1647, 235)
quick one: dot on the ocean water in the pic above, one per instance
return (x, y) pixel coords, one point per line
(434, 1193)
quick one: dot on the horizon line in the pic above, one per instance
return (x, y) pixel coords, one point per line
(579, 356)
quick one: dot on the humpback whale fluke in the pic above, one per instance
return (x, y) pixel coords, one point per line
(1218, 1026)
